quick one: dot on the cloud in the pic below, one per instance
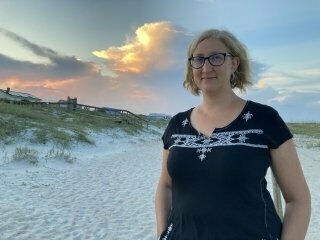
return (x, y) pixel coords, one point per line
(300, 80)
(294, 94)
(58, 66)
(152, 81)
(38, 50)
(298, 106)
(293, 106)
(257, 69)
(150, 49)
(59, 77)
(63, 76)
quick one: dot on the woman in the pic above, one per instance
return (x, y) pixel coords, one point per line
(212, 184)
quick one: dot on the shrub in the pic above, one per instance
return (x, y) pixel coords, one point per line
(60, 153)
(40, 136)
(25, 154)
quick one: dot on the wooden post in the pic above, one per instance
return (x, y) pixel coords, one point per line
(72, 103)
(75, 103)
(277, 197)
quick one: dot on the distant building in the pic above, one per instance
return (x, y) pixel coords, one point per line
(70, 103)
(17, 96)
(159, 116)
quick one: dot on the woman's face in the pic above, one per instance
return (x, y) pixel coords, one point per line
(209, 78)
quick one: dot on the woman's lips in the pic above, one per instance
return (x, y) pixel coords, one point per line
(207, 78)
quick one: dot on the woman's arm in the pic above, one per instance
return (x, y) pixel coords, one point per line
(288, 173)
(163, 196)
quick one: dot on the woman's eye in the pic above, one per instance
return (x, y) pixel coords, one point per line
(198, 60)
(216, 57)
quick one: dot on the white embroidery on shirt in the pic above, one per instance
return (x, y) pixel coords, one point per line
(242, 138)
(247, 116)
(204, 144)
(185, 122)
(203, 151)
(168, 232)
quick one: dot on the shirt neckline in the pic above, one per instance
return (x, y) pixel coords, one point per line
(216, 130)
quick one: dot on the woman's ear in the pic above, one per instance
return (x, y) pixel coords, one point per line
(235, 63)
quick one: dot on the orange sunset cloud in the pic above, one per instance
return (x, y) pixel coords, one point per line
(147, 49)
(139, 95)
(42, 89)
(19, 84)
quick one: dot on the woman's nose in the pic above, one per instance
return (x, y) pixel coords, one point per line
(207, 67)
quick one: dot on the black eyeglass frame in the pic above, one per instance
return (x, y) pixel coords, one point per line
(208, 58)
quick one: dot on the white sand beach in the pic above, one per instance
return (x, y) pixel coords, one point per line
(106, 193)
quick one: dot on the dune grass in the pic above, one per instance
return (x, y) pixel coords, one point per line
(25, 154)
(63, 127)
(41, 124)
(307, 129)
(56, 127)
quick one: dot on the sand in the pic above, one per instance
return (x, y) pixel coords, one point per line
(106, 193)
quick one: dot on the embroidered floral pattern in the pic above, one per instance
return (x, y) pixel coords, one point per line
(185, 122)
(247, 116)
(204, 144)
(203, 151)
(242, 138)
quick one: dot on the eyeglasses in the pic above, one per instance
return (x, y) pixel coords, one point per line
(216, 59)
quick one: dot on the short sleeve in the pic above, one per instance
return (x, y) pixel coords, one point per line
(276, 130)
(166, 137)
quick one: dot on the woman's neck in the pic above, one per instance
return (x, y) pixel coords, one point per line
(212, 104)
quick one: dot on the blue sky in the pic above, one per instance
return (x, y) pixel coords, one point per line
(131, 54)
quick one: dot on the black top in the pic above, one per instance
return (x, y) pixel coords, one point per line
(219, 190)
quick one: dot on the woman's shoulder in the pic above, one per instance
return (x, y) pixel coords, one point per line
(272, 124)
(261, 108)
(264, 113)
(176, 123)
(182, 115)
(259, 105)
(180, 119)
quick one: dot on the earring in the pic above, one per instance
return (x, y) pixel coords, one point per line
(233, 80)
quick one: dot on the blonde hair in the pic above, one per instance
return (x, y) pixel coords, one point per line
(241, 78)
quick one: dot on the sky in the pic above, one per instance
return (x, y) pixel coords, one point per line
(131, 54)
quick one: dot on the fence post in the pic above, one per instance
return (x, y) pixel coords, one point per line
(72, 103)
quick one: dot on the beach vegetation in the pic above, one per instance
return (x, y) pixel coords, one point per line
(25, 154)
(56, 125)
(5, 156)
(60, 128)
(160, 123)
(60, 154)
(311, 129)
